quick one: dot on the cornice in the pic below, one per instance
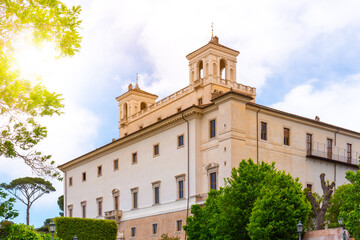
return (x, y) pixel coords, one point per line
(210, 45)
(138, 93)
(162, 125)
(300, 119)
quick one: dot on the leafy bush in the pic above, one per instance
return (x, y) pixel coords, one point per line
(84, 228)
(23, 232)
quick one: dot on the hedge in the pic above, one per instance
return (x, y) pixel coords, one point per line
(85, 228)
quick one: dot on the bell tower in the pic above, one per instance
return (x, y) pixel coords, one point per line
(132, 102)
(212, 62)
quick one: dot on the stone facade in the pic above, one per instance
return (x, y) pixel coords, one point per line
(172, 151)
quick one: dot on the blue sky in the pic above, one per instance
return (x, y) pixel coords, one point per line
(301, 56)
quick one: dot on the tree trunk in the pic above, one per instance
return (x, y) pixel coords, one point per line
(320, 212)
(27, 214)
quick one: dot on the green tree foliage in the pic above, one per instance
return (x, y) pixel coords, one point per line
(28, 190)
(350, 204)
(60, 203)
(24, 232)
(22, 102)
(7, 210)
(255, 198)
(85, 228)
(335, 204)
(278, 209)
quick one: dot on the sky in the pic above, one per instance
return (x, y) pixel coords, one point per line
(302, 56)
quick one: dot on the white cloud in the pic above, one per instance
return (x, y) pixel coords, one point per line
(337, 103)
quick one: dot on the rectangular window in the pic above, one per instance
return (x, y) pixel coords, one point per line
(287, 136)
(181, 141)
(329, 148)
(348, 152)
(263, 131)
(180, 180)
(181, 189)
(200, 101)
(135, 193)
(154, 228)
(308, 144)
(116, 164)
(309, 186)
(134, 158)
(70, 208)
(99, 171)
(213, 180)
(133, 232)
(212, 128)
(70, 181)
(156, 191)
(156, 195)
(178, 225)
(156, 150)
(83, 209)
(84, 176)
(116, 202)
(99, 206)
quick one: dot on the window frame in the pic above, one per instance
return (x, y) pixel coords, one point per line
(83, 209)
(133, 232)
(348, 153)
(154, 226)
(156, 192)
(116, 162)
(180, 178)
(70, 181)
(329, 149)
(309, 143)
(212, 168)
(135, 198)
(100, 206)
(156, 147)
(116, 199)
(263, 133)
(180, 144)
(99, 171)
(212, 129)
(134, 158)
(70, 210)
(286, 140)
(83, 176)
(178, 230)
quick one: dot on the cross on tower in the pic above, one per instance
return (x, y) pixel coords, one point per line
(212, 30)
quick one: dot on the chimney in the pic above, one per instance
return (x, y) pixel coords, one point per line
(317, 118)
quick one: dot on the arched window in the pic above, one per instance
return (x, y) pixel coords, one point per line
(142, 105)
(222, 69)
(215, 69)
(201, 69)
(232, 74)
(125, 110)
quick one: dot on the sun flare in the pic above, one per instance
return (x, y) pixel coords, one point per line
(34, 61)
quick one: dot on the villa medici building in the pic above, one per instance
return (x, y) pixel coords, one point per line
(171, 152)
